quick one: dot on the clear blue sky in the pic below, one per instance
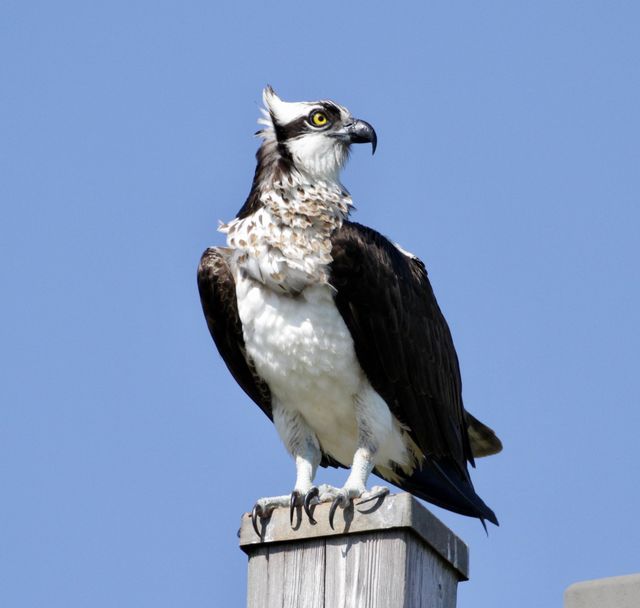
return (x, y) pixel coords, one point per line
(508, 160)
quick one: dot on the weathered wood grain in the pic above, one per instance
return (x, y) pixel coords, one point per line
(287, 576)
(397, 555)
(428, 576)
(365, 570)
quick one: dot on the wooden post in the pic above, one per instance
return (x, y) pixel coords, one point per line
(396, 554)
(618, 591)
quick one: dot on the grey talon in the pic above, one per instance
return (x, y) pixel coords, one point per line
(382, 493)
(255, 513)
(337, 501)
(311, 494)
(292, 505)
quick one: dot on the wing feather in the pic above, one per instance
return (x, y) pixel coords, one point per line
(218, 297)
(402, 340)
(404, 346)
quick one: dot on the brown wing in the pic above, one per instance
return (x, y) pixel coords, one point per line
(405, 348)
(402, 340)
(218, 297)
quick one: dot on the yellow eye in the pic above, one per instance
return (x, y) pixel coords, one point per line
(319, 119)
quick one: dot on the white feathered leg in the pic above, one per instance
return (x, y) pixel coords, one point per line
(302, 443)
(374, 426)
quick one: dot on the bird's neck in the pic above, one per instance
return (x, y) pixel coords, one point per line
(283, 237)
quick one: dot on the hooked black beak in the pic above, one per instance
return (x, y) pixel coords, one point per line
(361, 132)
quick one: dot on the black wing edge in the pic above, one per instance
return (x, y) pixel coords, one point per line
(218, 298)
(440, 483)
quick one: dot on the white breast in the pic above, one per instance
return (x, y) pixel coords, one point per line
(304, 351)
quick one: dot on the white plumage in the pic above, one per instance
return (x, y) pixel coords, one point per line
(304, 351)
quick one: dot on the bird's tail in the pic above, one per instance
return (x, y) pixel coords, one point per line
(483, 440)
(443, 484)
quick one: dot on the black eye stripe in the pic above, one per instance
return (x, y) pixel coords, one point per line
(300, 126)
(331, 110)
(292, 129)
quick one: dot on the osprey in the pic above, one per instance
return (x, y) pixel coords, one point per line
(334, 331)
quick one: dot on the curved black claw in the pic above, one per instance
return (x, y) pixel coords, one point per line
(339, 500)
(255, 513)
(379, 494)
(295, 496)
(310, 495)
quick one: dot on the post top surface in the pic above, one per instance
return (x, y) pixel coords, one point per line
(395, 511)
(622, 591)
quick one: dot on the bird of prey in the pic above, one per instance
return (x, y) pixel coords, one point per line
(334, 331)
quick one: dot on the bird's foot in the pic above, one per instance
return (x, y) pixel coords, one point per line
(265, 506)
(340, 497)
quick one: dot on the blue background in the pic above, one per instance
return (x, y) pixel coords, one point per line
(509, 149)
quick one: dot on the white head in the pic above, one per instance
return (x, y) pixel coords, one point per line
(316, 135)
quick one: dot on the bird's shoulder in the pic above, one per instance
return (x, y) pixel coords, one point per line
(361, 251)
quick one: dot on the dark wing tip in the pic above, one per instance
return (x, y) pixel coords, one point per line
(441, 483)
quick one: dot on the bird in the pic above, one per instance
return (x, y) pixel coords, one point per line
(334, 331)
